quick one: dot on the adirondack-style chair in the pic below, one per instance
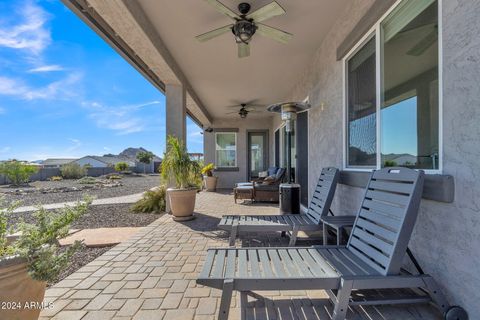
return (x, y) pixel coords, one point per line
(372, 258)
(311, 221)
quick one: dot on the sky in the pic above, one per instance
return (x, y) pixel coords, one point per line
(64, 92)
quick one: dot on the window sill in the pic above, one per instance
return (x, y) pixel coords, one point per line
(227, 169)
(437, 187)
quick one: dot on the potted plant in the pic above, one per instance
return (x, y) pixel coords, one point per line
(209, 179)
(28, 262)
(179, 170)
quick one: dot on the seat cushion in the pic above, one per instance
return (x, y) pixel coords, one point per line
(272, 171)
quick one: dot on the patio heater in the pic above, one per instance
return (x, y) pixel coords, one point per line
(289, 191)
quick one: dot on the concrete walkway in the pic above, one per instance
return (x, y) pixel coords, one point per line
(152, 276)
(131, 198)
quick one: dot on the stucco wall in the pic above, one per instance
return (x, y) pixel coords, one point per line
(446, 239)
(227, 179)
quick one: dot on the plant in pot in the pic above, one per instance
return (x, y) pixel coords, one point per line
(34, 259)
(209, 179)
(179, 170)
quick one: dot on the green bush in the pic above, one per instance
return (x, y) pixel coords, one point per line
(114, 176)
(17, 172)
(152, 201)
(208, 169)
(177, 167)
(73, 171)
(87, 180)
(145, 157)
(38, 242)
(389, 163)
(121, 166)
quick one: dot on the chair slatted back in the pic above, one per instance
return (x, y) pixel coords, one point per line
(386, 218)
(323, 195)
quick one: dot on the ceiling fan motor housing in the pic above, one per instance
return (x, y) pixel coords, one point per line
(244, 30)
(244, 8)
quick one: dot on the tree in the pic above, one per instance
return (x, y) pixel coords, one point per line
(145, 157)
(121, 166)
(17, 172)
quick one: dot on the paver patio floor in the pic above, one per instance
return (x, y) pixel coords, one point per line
(152, 276)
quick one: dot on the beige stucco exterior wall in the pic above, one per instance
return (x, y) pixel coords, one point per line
(446, 239)
(227, 179)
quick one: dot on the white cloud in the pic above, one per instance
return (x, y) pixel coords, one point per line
(2, 110)
(56, 90)
(47, 68)
(76, 144)
(120, 119)
(29, 32)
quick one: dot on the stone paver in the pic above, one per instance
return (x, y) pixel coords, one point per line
(100, 237)
(152, 276)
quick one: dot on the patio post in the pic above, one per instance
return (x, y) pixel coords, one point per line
(176, 116)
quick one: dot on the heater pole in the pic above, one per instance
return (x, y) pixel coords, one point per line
(289, 151)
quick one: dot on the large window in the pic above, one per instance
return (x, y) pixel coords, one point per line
(226, 149)
(393, 112)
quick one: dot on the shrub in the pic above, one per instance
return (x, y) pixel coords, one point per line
(16, 172)
(114, 176)
(73, 171)
(177, 166)
(208, 169)
(152, 201)
(87, 180)
(389, 163)
(56, 178)
(121, 166)
(38, 242)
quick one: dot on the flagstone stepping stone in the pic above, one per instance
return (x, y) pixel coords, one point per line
(100, 237)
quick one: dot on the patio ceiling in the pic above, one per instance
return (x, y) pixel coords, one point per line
(216, 77)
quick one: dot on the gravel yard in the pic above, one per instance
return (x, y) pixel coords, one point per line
(129, 185)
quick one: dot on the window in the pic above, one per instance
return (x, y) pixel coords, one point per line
(393, 113)
(226, 149)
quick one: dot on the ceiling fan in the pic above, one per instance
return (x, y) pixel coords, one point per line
(247, 24)
(245, 109)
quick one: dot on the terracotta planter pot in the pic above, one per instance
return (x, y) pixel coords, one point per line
(182, 203)
(20, 295)
(210, 183)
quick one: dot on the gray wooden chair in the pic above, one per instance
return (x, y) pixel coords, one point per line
(372, 258)
(311, 221)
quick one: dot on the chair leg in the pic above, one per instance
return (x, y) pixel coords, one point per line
(343, 297)
(243, 305)
(339, 235)
(226, 299)
(293, 237)
(325, 233)
(233, 235)
(436, 294)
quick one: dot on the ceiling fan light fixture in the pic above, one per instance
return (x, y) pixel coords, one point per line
(243, 31)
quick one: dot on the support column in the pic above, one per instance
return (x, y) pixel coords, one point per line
(176, 111)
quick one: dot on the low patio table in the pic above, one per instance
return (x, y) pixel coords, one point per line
(243, 193)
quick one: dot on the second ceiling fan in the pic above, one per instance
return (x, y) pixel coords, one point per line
(247, 24)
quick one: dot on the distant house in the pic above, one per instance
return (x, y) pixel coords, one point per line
(56, 162)
(103, 162)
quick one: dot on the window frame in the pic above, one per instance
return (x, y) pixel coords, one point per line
(375, 31)
(236, 149)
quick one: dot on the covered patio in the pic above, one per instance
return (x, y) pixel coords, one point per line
(390, 83)
(152, 276)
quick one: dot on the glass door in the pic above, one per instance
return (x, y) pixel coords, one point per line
(257, 153)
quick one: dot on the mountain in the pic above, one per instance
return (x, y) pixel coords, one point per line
(131, 153)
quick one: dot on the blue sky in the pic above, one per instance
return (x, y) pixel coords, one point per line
(65, 93)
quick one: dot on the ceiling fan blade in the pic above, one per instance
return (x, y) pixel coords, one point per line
(268, 11)
(234, 112)
(220, 7)
(424, 44)
(243, 50)
(214, 33)
(274, 33)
